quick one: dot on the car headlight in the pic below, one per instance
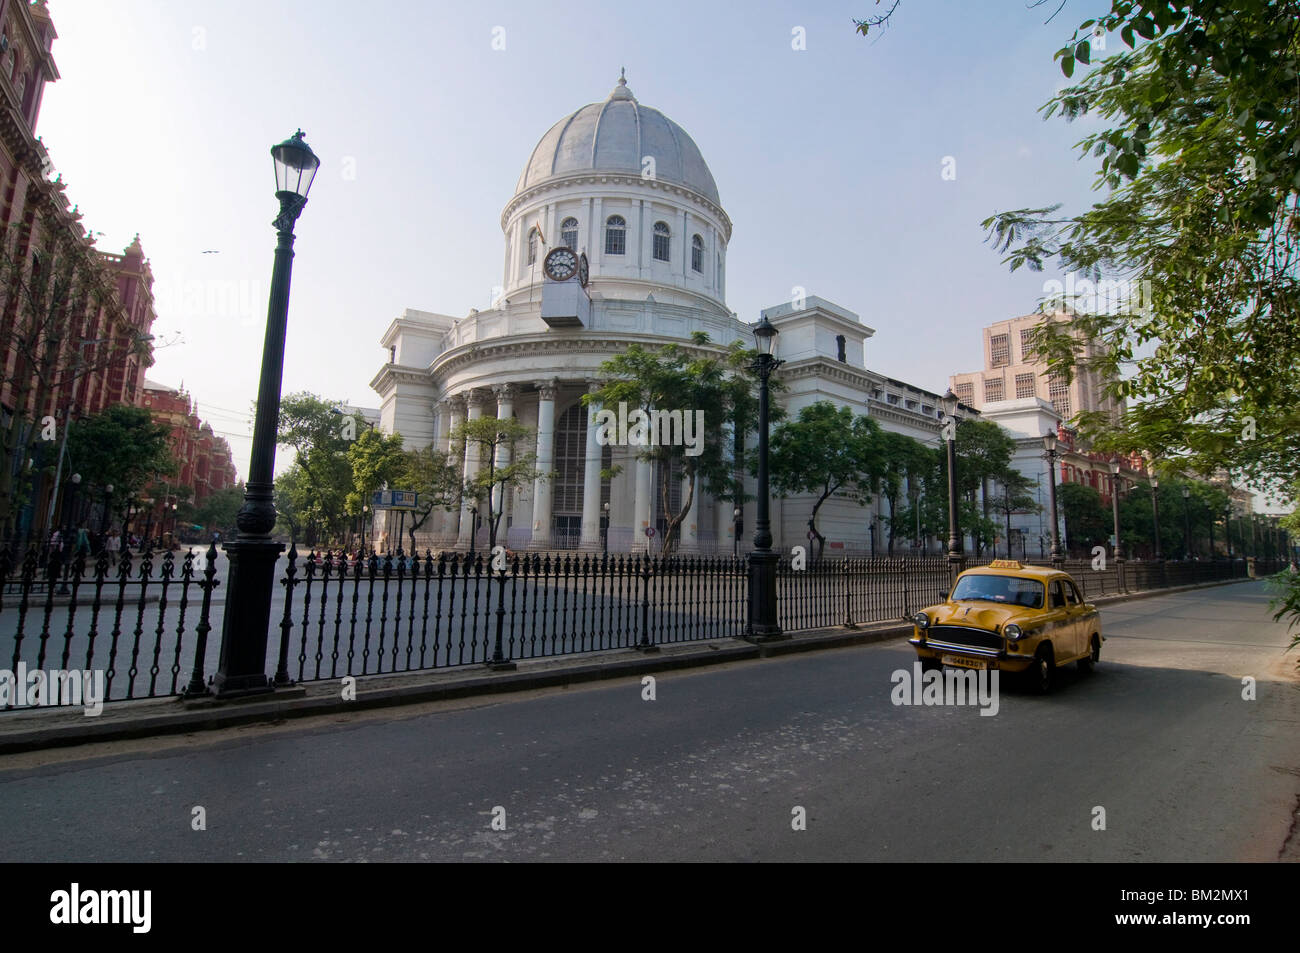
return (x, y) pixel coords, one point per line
(1012, 631)
(921, 620)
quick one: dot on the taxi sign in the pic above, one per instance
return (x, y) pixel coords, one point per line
(1006, 564)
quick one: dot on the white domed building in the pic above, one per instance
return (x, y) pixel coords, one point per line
(627, 191)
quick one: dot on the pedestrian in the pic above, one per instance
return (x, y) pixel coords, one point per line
(113, 546)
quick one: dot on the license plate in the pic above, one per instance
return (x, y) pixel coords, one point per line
(965, 661)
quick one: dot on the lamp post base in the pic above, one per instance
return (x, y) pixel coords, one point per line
(242, 668)
(763, 624)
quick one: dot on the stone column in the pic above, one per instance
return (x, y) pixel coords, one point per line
(474, 400)
(505, 394)
(644, 506)
(546, 391)
(591, 480)
(453, 414)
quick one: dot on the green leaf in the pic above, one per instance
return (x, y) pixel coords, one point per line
(1067, 66)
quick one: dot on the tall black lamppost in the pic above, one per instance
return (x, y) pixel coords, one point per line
(1227, 523)
(956, 557)
(1050, 452)
(1187, 520)
(253, 553)
(735, 534)
(1155, 512)
(763, 624)
(1114, 509)
(604, 529)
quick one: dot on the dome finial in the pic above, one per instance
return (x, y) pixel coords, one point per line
(621, 91)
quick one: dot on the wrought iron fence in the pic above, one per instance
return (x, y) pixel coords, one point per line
(146, 619)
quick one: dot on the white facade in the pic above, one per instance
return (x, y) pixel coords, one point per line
(627, 187)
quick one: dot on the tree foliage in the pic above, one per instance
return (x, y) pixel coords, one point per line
(701, 377)
(1198, 152)
(826, 451)
(493, 437)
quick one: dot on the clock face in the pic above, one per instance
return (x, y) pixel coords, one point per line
(561, 264)
(583, 273)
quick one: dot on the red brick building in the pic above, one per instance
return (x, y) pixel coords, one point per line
(62, 355)
(203, 458)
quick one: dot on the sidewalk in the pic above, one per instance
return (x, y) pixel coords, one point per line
(38, 728)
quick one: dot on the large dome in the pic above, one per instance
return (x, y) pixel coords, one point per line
(614, 136)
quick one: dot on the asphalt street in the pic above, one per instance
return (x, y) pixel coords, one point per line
(719, 764)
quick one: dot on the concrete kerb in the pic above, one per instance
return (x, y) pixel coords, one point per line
(37, 729)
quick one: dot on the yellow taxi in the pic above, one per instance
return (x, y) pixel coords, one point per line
(1010, 617)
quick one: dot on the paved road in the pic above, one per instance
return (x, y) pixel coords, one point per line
(713, 768)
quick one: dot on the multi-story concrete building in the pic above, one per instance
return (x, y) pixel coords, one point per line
(1013, 372)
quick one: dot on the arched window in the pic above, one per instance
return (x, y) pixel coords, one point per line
(697, 253)
(615, 235)
(532, 245)
(662, 234)
(569, 233)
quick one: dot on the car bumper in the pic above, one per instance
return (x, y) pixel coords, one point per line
(1001, 659)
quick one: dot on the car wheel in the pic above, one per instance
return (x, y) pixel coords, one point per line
(931, 665)
(1089, 661)
(1043, 672)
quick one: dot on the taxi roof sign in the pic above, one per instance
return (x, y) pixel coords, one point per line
(1006, 564)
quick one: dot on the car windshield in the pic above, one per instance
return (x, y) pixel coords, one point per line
(1008, 589)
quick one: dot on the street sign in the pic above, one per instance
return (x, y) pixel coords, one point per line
(649, 530)
(395, 499)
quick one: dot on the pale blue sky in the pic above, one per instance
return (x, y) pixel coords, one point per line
(827, 159)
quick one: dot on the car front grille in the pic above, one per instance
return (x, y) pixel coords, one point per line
(957, 635)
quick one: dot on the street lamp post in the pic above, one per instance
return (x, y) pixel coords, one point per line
(1187, 520)
(253, 553)
(1114, 508)
(735, 532)
(763, 624)
(1050, 451)
(604, 529)
(956, 557)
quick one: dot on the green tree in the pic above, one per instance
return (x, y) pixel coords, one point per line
(1013, 494)
(1087, 518)
(517, 469)
(217, 513)
(319, 434)
(121, 447)
(826, 451)
(436, 481)
(701, 378)
(1194, 130)
(904, 463)
(376, 460)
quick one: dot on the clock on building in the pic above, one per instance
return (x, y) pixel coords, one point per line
(583, 273)
(561, 264)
